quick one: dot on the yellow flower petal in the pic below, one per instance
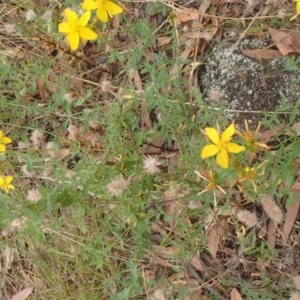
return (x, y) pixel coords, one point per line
(213, 135)
(84, 19)
(87, 34)
(65, 27)
(228, 133)
(5, 183)
(89, 5)
(2, 148)
(113, 9)
(9, 186)
(209, 150)
(8, 179)
(222, 159)
(70, 15)
(5, 140)
(298, 7)
(234, 148)
(102, 15)
(73, 40)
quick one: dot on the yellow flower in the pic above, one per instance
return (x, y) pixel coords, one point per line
(75, 28)
(249, 174)
(297, 10)
(250, 138)
(212, 185)
(3, 141)
(104, 8)
(221, 146)
(5, 183)
(211, 178)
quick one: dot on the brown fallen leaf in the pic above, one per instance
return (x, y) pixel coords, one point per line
(40, 82)
(144, 105)
(291, 214)
(195, 294)
(215, 22)
(263, 231)
(163, 262)
(271, 234)
(38, 283)
(196, 31)
(186, 14)
(296, 187)
(63, 153)
(260, 54)
(145, 115)
(267, 134)
(183, 56)
(149, 55)
(116, 21)
(163, 41)
(172, 206)
(213, 240)
(195, 262)
(198, 35)
(41, 3)
(165, 252)
(296, 37)
(235, 295)
(203, 8)
(285, 41)
(296, 128)
(23, 295)
(134, 74)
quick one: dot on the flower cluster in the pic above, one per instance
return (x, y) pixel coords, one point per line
(5, 181)
(222, 147)
(76, 27)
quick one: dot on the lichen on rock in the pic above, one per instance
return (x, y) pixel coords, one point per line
(245, 85)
